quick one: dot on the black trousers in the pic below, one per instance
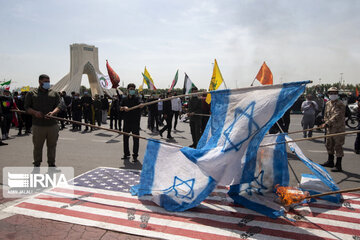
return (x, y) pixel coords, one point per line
(134, 128)
(114, 117)
(154, 120)
(168, 125)
(76, 117)
(6, 123)
(195, 127)
(176, 116)
(98, 117)
(88, 116)
(357, 140)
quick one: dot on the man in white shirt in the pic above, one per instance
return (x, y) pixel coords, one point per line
(176, 108)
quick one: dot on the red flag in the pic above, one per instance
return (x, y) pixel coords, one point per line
(356, 92)
(114, 78)
(265, 76)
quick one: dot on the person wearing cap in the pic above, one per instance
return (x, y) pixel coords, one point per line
(40, 102)
(334, 118)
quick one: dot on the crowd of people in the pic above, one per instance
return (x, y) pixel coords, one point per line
(163, 116)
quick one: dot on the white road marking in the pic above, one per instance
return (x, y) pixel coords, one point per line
(70, 139)
(323, 151)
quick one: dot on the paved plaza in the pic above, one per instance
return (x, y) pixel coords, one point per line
(88, 150)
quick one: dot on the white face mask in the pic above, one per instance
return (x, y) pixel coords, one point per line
(333, 97)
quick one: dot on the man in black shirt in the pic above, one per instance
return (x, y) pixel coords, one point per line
(131, 121)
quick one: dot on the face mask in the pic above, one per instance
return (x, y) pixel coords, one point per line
(333, 97)
(76, 97)
(132, 92)
(46, 85)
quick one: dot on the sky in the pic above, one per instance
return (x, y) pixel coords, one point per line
(314, 40)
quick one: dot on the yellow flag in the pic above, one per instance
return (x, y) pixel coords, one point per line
(141, 87)
(25, 89)
(216, 81)
(150, 84)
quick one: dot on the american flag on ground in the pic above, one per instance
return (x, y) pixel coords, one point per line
(102, 199)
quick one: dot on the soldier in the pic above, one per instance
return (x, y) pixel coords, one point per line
(334, 118)
(195, 120)
(86, 102)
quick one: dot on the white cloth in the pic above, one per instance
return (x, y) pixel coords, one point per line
(176, 104)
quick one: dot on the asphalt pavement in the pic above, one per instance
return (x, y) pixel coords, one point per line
(87, 150)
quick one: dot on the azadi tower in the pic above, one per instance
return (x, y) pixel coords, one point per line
(84, 59)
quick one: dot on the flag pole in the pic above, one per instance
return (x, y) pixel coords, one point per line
(311, 138)
(165, 99)
(253, 82)
(199, 93)
(102, 128)
(175, 145)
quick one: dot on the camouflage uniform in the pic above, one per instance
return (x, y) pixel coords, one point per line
(335, 121)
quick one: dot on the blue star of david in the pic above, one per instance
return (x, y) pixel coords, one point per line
(239, 114)
(259, 181)
(181, 193)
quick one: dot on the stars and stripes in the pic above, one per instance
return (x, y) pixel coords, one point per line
(92, 204)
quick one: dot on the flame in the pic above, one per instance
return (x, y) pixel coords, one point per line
(290, 195)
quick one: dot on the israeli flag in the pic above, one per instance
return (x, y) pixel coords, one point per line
(180, 179)
(317, 182)
(239, 119)
(271, 169)
(175, 183)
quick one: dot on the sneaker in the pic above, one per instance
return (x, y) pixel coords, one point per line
(3, 144)
(125, 157)
(170, 137)
(135, 159)
(357, 151)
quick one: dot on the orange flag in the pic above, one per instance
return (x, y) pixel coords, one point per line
(356, 92)
(265, 76)
(114, 78)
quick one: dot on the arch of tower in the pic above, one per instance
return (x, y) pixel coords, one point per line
(84, 59)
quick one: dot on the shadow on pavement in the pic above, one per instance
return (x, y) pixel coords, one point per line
(103, 135)
(132, 165)
(349, 175)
